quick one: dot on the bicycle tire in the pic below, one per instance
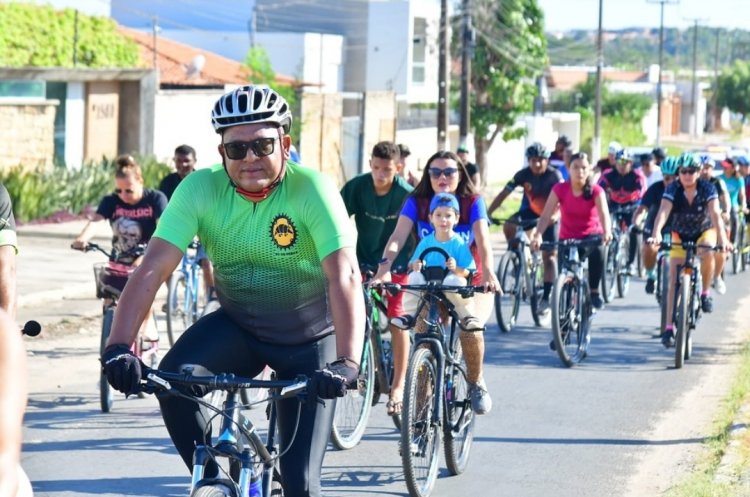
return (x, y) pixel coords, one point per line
(609, 278)
(623, 277)
(508, 302)
(353, 409)
(420, 437)
(106, 394)
(214, 490)
(681, 321)
(742, 248)
(664, 294)
(535, 289)
(179, 316)
(458, 426)
(569, 331)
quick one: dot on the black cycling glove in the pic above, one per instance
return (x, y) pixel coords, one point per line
(122, 368)
(333, 380)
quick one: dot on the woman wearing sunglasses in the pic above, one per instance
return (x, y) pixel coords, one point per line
(446, 173)
(692, 206)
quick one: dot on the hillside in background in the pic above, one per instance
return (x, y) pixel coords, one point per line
(637, 48)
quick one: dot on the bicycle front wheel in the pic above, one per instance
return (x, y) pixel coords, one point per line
(179, 306)
(623, 276)
(569, 327)
(106, 395)
(508, 302)
(611, 268)
(681, 321)
(663, 291)
(217, 489)
(420, 437)
(353, 409)
(458, 428)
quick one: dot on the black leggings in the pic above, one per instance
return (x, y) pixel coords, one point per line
(219, 345)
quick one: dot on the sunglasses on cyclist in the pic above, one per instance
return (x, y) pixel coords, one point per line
(261, 147)
(448, 172)
(688, 170)
(126, 190)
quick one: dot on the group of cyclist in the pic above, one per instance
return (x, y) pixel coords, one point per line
(288, 265)
(678, 196)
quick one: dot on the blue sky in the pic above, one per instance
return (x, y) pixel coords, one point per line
(571, 14)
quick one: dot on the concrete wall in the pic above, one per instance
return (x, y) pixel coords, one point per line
(184, 117)
(28, 132)
(320, 143)
(102, 120)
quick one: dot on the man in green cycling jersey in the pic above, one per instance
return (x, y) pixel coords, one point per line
(287, 279)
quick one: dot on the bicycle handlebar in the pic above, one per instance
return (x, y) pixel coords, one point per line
(136, 251)
(156, 380)
(464, 290)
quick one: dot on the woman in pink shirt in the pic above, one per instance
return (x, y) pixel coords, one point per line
(583, 214)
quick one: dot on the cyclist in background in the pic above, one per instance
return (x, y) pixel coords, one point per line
(375, 200)
(404, 171)
(610, 161)
(744, 164)
(184, 161)
(559, 158)
(624, 187)
(463, 153)
(649, 207)
(287, 279)
(720, 258)
(537, 181)
(692, 203)
(8, 251)
(651, 171)
(583, 214)
(446, 173)
(659, 155)
(735, 184)
(133, 212)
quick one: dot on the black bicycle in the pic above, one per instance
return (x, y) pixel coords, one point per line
(375, 373)
(686, 310)
(662, 282)
(616, 272)
(571, 302)
(521, 276)
(251, 467)
(109, 280)
(437, 389)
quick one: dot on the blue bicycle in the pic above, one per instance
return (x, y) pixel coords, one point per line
(185, 294)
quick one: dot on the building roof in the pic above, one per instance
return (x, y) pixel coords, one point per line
(184, 65)
(567, 77)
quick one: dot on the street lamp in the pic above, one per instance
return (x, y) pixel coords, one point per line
(661, 63)
(596, 145)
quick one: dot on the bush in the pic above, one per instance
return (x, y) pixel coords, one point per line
(39, 193)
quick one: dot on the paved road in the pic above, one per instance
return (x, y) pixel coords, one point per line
(623, 423)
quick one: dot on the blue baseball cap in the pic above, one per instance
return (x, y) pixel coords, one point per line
(444, 200)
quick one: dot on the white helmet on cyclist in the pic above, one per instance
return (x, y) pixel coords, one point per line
(251, 104)
(614, 147)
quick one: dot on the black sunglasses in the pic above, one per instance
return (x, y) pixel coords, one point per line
(126, 190)
(688, 170)
(261, 147)
(436, 172)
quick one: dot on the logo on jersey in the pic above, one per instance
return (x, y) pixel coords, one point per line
(283, 231)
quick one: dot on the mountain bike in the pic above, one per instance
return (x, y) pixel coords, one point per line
(437, 390)
(687, 304)
(253, 469)
(185, 294)
(738, 228)
(375, 373)
(616, 273)
(521, 276)
(571, 302)
(105, 274)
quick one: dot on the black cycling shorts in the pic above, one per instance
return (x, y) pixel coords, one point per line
(552, 232)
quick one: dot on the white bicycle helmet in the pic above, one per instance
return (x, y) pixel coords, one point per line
(248, 105)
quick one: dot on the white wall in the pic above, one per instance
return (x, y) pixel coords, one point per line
(75, 110)
(184, 117)
(389, 47)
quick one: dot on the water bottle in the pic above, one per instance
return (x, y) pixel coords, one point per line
(256, 483)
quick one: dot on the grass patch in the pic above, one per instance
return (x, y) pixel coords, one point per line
(702, 481)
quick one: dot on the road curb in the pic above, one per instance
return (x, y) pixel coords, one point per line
(71, 291)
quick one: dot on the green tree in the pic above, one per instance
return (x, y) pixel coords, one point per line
(39, 36)
(262, 73)
(734, 89)
(510, 54)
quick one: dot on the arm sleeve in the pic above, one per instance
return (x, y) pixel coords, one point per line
(464, 258)
(515, 181)
(106, 207)
(670, 191)
(409, 210)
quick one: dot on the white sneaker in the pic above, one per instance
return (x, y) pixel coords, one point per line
(721, 287)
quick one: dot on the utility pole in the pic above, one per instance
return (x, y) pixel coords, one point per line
(661, 63)
(252, 26)
(694, 84)
(466, 55)
(154, 31)
(596, 144)
(714, 104)
(442, 110)
(75, 40)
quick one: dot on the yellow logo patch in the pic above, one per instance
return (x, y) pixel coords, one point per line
(283, 231)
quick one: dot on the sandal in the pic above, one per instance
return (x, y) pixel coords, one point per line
(393, 407)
